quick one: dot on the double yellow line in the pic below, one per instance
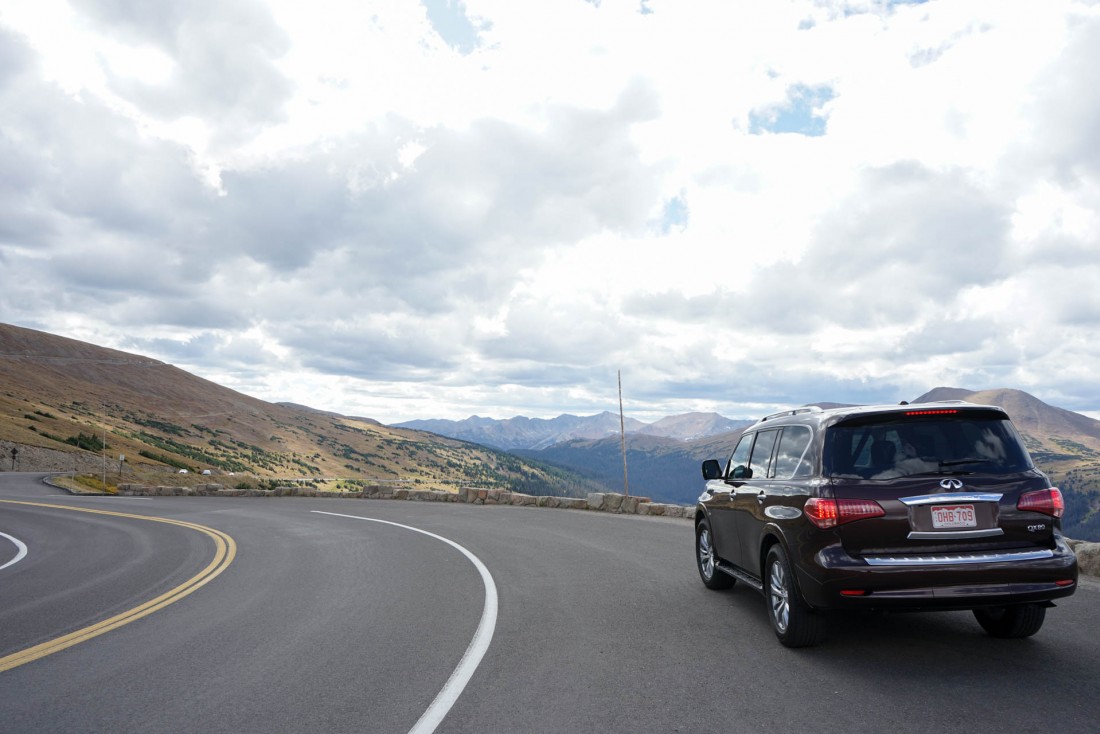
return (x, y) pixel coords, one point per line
(225, 552)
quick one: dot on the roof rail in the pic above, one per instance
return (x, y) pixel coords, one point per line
(796, 411)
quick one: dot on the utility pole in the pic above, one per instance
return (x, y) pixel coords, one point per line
(622, 434)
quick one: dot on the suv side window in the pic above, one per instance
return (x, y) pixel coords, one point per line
(762, 453)
(739, 463)
(792, 460)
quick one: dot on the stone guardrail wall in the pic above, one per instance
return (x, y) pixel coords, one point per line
(1088, 554)
(598, 501)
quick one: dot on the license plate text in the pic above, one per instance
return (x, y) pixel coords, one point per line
(954, 516)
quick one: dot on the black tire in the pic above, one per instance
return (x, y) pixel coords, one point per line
(706, 561)
(1021, 620)
(795, 624)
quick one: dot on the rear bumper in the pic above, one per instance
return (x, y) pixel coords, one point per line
(832, 579)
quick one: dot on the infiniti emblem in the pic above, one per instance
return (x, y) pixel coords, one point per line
(951, 483)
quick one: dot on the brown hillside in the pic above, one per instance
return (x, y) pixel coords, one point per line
(1036, 417)
(944, 393)
(1040, 421)
(62, 395)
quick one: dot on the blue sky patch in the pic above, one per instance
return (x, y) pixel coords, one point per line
(448, 18)
(800, 114)
(675, 214)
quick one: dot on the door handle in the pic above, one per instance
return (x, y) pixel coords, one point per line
(760, 497)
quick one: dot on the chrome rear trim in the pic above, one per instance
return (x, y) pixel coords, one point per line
(955, 534)
(951, 497)
(949, 559)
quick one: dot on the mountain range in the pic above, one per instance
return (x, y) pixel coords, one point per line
(541, 433)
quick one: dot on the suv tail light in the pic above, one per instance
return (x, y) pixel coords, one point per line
(1046, 501)
(826, 513)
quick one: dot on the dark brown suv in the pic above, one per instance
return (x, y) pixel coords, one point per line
(903, 507)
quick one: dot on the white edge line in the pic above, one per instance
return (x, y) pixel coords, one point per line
(447, 697)
(61, 498)
(22, 548)
(104, 498)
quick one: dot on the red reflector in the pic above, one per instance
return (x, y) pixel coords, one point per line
(1046, 501)
(1064, 582)
(931, 412)
(853, 592)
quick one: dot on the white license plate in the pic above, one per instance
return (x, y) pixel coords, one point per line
(954, 516)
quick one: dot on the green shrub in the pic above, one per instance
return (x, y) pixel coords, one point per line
(88, 443)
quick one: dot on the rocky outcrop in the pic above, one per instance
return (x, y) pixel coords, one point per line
(37, 458)
(1088, 557)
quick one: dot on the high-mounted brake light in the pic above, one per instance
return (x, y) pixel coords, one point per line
(1046, 501)
(826, 513)
(931, 412)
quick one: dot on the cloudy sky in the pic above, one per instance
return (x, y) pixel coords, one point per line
(409, 210)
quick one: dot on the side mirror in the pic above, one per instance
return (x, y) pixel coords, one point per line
(712, 469)
(741, 472)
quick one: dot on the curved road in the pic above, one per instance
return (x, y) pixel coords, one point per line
(328, 620)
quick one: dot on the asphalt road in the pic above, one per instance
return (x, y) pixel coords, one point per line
(327, 623)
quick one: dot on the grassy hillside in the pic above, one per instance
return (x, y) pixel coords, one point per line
(60, 395)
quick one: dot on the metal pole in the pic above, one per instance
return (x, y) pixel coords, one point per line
(622, 434)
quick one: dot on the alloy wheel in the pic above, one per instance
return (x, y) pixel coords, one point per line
(779, 596)
(706, 553)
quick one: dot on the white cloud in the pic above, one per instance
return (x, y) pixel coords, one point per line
(490, 207)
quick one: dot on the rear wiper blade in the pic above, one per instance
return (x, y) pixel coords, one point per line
(959, 462)
(944, 471)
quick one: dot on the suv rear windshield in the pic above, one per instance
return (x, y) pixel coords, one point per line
(890, 445)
